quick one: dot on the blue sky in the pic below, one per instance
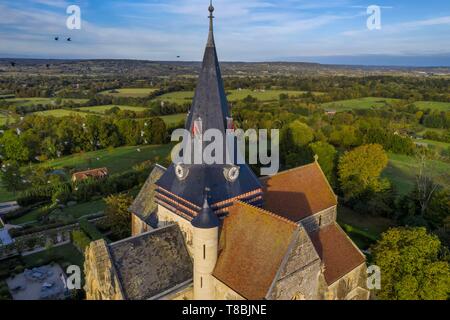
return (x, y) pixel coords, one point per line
(246, 30)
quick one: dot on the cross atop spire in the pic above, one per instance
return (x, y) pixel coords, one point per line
(211, 26)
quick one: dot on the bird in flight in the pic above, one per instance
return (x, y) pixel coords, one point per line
(69, 39)
(56, 38)
(13, 64)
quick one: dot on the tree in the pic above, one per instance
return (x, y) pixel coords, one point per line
(119, 218)
(10, 176)
(300, 133)
(13, 147)
(360, 169)
(411, 266)
(327, 157)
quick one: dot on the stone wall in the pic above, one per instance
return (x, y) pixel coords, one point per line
(320, 219)
(165, 217)
(102, 282)
(298, 275)
(352, 286)
(138, 226)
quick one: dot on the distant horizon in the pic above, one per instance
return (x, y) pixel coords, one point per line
(352, 61)
(410, 32)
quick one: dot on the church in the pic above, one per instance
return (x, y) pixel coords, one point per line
(218, 232)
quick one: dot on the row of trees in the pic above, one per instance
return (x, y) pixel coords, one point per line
(41, 138)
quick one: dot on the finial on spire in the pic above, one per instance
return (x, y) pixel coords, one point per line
(211, 26)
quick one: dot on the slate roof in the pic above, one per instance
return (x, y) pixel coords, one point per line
(298, 193)
(151, 263)
(252, 246)
(208, 176)
(336, 251)
(210, 104)
(144, 205)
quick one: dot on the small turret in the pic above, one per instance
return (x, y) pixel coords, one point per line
(205, 242)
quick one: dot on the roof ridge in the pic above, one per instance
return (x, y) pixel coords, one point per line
(141, 235)
(289, 171)
(269, 213)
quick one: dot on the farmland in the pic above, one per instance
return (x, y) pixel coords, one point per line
(103, 109)
(182, 97)
(373, 102)
(130, 92)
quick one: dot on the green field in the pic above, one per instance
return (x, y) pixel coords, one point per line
(373, 102)
(130, 92)
(103, 109)
(174, 119)
(438, 106)
(6, 195)
(362, 103)
(182, 97)
(59, 113)
(402, 170)
(116, 160)
(43, 101)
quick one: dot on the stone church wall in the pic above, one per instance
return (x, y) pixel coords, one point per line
(352, 286)
(101, 281)
(320, 219)
(298, 276)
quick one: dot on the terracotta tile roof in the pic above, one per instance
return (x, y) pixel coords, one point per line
(94, 173)
(336, 251)
(252, 247)
(298, 193)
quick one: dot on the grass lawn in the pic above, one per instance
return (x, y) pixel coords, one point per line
(43, 101)
(60, 113)
(174, 119)
(63, 254)
(130, 92)
(29, 217)
(84, 209)
(402, 170)
(438, 145)
(438, 106)
(116, 160)
(5, 195)
(363, 229)
(267, 95)
(362, 103)
(103, 109)
(182, 97)
(374, 102)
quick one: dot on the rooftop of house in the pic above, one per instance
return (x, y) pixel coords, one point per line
(99, 172)
(298, 193)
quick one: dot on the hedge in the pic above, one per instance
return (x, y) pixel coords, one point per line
(90, 230)
(80, 240)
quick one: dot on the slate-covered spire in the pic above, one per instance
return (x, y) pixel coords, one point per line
(206, 218)
(210, 101)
